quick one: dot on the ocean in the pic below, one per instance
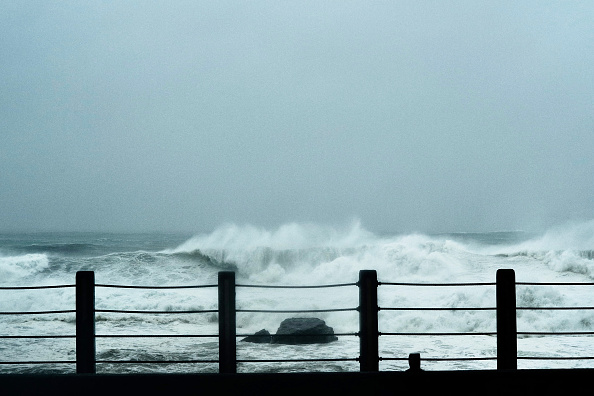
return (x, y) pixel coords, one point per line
(296, 254)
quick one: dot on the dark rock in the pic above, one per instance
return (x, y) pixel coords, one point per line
(261, 337)
(303, 331)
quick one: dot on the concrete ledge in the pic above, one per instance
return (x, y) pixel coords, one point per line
(483, 382)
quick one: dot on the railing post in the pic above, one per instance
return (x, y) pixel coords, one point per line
(368, 321)
(507, 345)
(85, 322)
(227, 329)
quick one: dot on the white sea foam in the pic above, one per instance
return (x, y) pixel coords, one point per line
(13, 268)
(288, 236)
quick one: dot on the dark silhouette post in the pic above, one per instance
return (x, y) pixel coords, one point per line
(227, 329)
(414, 362)
(507, 346)
(85, 322)
(368, 327)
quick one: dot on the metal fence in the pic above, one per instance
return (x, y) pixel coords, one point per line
(368, 334)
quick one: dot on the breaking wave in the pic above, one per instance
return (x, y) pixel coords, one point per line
(17, 267)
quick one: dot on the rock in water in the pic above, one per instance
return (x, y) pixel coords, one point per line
(261, 337)
(303, 331)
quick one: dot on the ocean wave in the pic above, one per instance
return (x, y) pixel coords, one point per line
(310, 253)
(211, 260)
(61, 248)
(561, 261)
(15, 267)
(570, 236)
(232, 237)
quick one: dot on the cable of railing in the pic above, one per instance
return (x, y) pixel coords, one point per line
(437, 334)
(35, 287)
(163, 336)
(555, 333)
(553, 308)
(36, 337)
(555, 283)
(155, 312)
(296, 310)
(438, 309)
(156, 361)
(154, 287)
(443, 359)
(297, 360)
(297, 287)
(436, 284)
(301, 335)
(156, 335)
(556, 357)
(41, 362)
(38, 312)
(461, 359)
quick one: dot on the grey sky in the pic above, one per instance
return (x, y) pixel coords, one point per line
(408, 115)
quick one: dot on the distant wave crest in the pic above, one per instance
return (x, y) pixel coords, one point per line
(14, 267)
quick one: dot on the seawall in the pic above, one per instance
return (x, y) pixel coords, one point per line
(480, 382)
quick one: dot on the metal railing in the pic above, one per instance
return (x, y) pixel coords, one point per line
(555, 333)
(368, 333)
(304, 335)
(433, 333)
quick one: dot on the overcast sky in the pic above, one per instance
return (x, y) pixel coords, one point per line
(428, 116)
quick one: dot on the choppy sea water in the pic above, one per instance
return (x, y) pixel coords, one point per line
(295, 254)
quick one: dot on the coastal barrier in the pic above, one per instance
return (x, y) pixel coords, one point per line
(368, 333)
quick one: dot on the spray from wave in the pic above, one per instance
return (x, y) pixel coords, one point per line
(17, 267)
(289, 236)
(567, 248)
(265, 255)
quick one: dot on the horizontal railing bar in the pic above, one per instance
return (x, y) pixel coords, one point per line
(42, 362)
(457, 359)
(438, 309)
(556, 357)
(154, 287)
(173, 335)
(436, 284)
(438, 334)
(155, 312)
(555, 283)
(555, 333)
(443, 359)
(156, 335)
(38, 312)
(488, 284)
(296, 311)
(154, 361)
(35, 287)
(552, 308)
(298, 335)
(297, 360)
(297, 287)
(32, 336)
(300, 287)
